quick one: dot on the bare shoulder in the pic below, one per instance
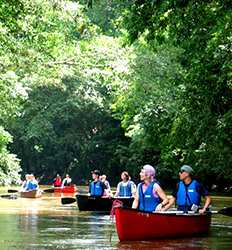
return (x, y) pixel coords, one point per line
(157, 187)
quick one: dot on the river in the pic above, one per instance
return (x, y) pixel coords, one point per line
(44, 223)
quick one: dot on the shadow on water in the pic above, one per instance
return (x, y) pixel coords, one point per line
(45, 224)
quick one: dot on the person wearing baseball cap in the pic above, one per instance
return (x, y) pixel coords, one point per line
(188, 193)
(96, 187)
(149, 196)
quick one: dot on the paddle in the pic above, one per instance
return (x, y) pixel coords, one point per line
(9, 196)
(12, 191)
(67, 200)
(224, 211)
(49, 190)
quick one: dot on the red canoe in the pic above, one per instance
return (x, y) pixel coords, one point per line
(66, 189)
(137, 225)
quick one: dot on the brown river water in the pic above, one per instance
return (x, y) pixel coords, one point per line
(44, 223)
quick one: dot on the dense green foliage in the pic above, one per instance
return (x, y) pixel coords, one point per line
(114, 85)
(199, 132)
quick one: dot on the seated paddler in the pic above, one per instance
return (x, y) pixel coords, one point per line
(126, 187)
(32, 183)
(189, 192)
(149, 196)
(67, 181)
(96, 187)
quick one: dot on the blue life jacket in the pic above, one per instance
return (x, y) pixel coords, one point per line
(188, 195)
(96, 188)
(147, 201)
(125, 190)
(31, 186)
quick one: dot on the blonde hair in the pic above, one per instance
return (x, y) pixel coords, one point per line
(103, 177)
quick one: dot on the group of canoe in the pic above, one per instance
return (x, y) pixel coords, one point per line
(30, 187)
(146, 205)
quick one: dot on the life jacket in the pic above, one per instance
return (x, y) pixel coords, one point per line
(147, 201)
(188, 195)
(125, 190)
(57, 182)
(31, 185)
(96, 188)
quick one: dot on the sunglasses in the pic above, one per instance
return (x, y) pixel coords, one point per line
(182, 171)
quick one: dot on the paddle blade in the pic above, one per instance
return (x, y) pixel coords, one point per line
(67, 200)
(12, 191)
(226, 211)
(9, 196)
(49, 190)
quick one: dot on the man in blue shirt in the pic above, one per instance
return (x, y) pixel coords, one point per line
(188, 193)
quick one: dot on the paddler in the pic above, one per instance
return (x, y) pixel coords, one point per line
(103, 179)
(25, 182)
(96, 187)
(189, 192)
(149, 196)
(57, 181)
(126, 187)
(67, 181)
(32, 183)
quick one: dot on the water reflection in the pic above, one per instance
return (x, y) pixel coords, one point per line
(45, 224)
(178, 244)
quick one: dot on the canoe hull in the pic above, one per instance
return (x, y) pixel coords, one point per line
(66, 189)
(153, 226)
(31, 194)
(101, 204)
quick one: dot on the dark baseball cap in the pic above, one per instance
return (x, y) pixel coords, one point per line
(97, 172)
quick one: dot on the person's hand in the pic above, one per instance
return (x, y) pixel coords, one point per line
(159, 208)
(202, 211)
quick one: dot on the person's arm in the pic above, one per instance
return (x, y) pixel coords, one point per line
(136, 200)
(62, 185)
(110, 193)
(23, 184)
(204, 193)
(36, 183)
(162, 195)
(117, 190)
(172, 199)
(133, 188)
(108, 186)
(104, 189)
(171, 202)
(206, 205)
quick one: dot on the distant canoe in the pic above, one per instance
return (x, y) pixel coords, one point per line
(101, 204)
(133, 224)
(65, 189)
(31, 194)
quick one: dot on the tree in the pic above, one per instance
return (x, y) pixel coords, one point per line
(200, 131)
